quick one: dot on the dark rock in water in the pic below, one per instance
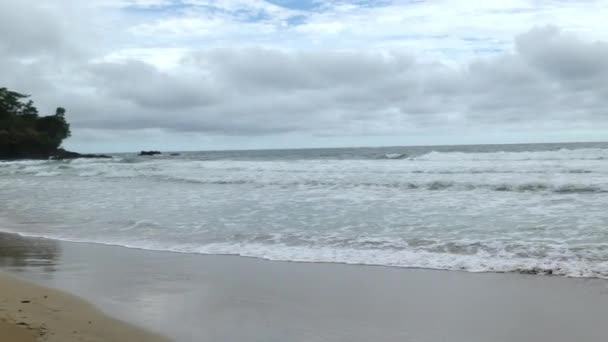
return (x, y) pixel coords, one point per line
(58, 154)
(61, 154)
(533, 270)
(536, 270)
(175, 154)
(149, 153)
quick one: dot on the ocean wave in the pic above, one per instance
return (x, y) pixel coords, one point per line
(561, 154)
(118, 170)
(474, 257)
(589, 179)
(528, 212)
(521, 166)
(436, 185)
(395, 155)
(430, 185)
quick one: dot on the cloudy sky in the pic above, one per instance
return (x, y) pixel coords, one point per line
(241, 74)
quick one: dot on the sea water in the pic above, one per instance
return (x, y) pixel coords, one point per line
(536, 208)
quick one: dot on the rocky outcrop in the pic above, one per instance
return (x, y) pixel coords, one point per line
(59, 154)
(149, 153)
(62, 154)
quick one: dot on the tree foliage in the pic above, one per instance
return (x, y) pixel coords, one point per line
(25, 134)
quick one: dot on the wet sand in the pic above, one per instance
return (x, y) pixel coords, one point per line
(33, 313)
(12, 332)
(192, 297)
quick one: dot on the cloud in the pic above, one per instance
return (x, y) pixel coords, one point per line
(242, 70)
(563, 56)
(148, 87)
(20, 37)
(550, 76)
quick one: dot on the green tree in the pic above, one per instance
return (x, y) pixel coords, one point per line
(23, 133)
(60, 111)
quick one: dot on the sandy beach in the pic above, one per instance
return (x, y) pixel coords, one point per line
(34, 313)
(192, 298)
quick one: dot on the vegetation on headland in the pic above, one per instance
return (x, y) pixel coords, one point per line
(24, 134)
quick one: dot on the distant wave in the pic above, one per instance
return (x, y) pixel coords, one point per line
(431, 185)
(561, 154)
(433, 180)
(395, 156)
(107, 170)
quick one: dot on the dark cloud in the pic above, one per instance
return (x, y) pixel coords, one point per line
(256, 68)
(563, 56)
(148, 87)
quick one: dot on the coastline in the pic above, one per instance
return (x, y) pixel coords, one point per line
(29, 312)
(194, 297)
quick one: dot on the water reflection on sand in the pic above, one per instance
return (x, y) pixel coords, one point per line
(18, 253)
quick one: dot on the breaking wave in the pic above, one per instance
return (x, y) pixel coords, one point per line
(471, 256)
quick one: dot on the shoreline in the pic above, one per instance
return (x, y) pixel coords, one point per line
(195, 297)
(29, 312)
(533, 271)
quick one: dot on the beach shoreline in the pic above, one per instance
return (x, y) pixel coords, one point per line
(195, 297)
(30, 312)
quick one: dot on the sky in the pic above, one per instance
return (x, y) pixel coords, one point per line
(249, 74)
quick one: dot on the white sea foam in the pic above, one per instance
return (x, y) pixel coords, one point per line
(407, 258)
(394, 155)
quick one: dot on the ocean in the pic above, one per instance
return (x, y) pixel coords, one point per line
(530, 208)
